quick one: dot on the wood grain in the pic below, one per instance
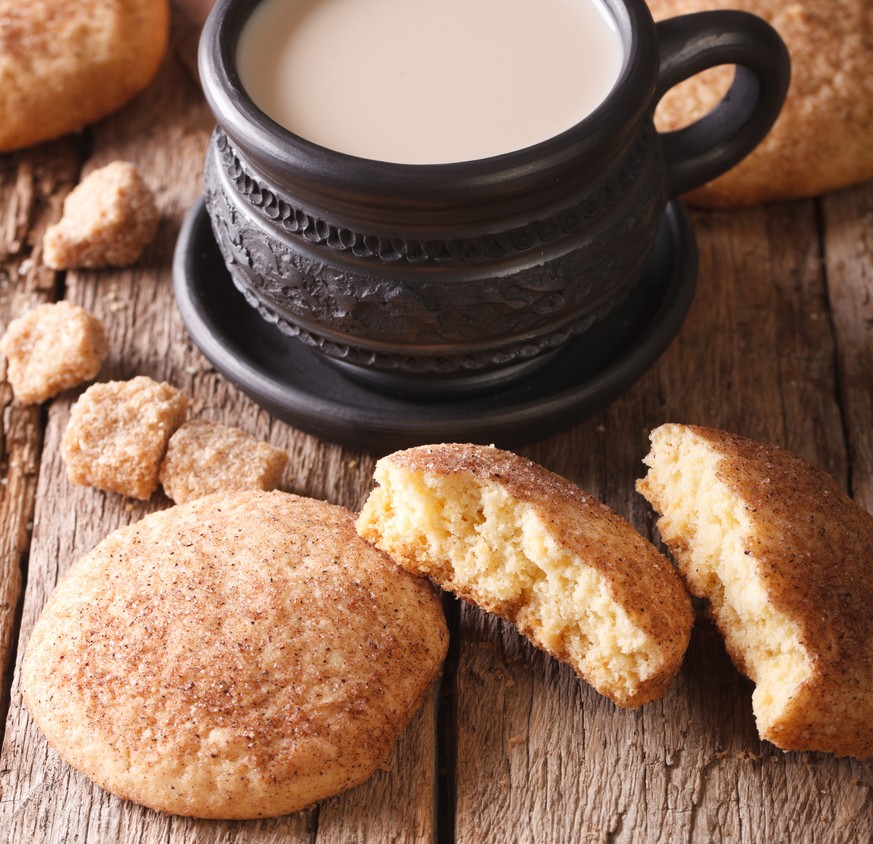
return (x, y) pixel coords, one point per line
(33, 185)
(848, 256)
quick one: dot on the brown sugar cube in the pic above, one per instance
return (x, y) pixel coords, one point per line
(52, 348)
(118, 433)
(108, 219)
(204, 457)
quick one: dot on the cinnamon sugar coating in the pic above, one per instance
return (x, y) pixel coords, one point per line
(52, 348)
(118, 433)
(64, 65)
(240, 656)
(821, 140)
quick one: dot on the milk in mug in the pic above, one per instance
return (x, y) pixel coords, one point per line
(429, 81)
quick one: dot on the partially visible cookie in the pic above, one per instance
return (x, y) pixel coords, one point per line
(65, 64)
(108, 219)
(52, 348)
(241, 656)
(821, 140)
(118, 433)
(205, 457)
(785, 559)
(531, 547)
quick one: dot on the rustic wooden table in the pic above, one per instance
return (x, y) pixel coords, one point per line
(512, 747)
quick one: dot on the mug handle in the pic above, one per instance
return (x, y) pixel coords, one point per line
(712, 145)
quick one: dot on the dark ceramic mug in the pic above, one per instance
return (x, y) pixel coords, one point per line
(423, 279)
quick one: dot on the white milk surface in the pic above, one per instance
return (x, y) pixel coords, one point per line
(428, 81)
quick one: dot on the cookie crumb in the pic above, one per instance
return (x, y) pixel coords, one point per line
(532, 548)
(783, 556)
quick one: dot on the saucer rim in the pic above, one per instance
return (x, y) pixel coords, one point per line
(349, 414)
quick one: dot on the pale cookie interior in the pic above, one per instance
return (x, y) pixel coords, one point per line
(712, 527)
(474, 538)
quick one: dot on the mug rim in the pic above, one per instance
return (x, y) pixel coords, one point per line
(278, 151)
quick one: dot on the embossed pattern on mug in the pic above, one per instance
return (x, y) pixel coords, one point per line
(429, 81)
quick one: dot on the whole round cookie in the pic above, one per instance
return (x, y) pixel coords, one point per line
(64, 65)
(821, 140)
(243, 655)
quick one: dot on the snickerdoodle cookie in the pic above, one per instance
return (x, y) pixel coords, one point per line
(531, 547)
(240, 656)
(64, 65)
(821, 140)
(785, 559)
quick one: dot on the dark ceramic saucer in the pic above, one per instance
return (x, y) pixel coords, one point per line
(298, 386)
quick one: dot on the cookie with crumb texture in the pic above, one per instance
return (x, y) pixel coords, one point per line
(785, 559)
(531, 547)
(64, 65)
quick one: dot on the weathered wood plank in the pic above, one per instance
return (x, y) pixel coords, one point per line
(32, 187)
(848, 218)
(540, 755)
(165, 134)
